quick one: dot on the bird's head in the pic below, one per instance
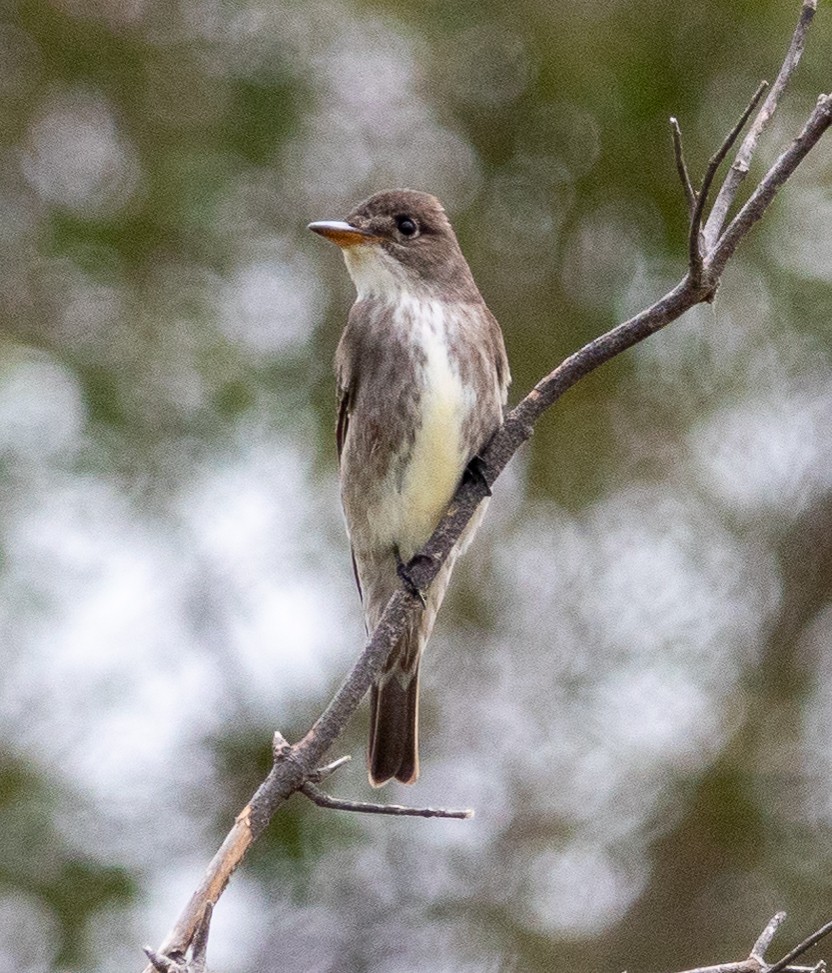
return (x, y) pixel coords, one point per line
(401, 241)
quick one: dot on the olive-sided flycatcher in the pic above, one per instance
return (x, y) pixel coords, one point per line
(422, 377)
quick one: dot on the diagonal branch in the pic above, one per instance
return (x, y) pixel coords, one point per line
(191, 961)
(756, 961)
(800, 949)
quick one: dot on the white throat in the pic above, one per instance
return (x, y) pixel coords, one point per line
(375, 272)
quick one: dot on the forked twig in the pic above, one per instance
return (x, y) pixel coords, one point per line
(740, 166)
(317, 796)
(323, 772)
(760, 948)
(768, 187)
(801, 948)
(695, 255)
(283, 750)
(756, 961)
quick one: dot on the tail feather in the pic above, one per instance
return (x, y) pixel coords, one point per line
(394, 727)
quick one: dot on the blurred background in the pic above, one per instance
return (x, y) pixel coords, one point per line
(629, 680)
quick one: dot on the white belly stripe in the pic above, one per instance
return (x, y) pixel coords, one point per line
(409, 516)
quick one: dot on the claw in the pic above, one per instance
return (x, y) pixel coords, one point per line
(409, 583)
(475, 472)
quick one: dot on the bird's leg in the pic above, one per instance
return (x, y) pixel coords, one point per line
(407, 580)
(475, 473)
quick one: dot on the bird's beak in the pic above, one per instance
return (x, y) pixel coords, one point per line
(344, 234)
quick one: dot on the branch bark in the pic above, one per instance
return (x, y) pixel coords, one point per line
(295, 766)
(740, 166)
(756, 961)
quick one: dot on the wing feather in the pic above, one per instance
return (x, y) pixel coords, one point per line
(341, 428)
(343, 419)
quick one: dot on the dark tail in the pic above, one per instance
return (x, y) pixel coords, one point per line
(394, 727)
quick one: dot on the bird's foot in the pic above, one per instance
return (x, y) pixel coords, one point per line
(407, 580)
(475, 473)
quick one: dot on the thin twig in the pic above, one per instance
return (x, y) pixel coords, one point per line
(323, 772)
(740, 166)
(681, 166)
(695, 257)
(317, 796)
(759, 201)
(740, 966)
(801, 948)
(756, 962)
(759, 949)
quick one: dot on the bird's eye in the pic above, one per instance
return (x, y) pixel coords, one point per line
(406, 226)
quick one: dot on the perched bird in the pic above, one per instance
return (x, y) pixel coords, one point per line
(422, 377)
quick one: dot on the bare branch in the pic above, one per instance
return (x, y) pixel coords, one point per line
(819, 121)
(801, 948)
(756, 962)
(159, 962)
(695, 257)
(681, 166)
(317, 796)
(758, 951)
(740, 166)
(178, 962)
(199, 947)
(248, 825)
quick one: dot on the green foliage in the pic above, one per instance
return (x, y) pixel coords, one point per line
(36, 861)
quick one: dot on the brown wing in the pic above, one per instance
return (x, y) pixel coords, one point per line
(341, 426)
(343, 420)
(499, 352)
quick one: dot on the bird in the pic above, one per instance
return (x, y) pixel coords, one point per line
(422, 380)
